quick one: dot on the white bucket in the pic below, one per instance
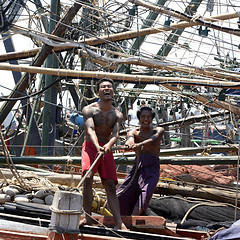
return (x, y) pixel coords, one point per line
(66, 211)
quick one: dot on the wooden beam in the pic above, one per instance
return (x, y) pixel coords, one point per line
(234, 76)
(120, 77)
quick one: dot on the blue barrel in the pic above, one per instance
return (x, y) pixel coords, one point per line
(77, 119)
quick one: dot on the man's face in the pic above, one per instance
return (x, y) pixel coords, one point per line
(145, 118)
(105, 90)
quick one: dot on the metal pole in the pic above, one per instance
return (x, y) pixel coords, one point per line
(50, 97)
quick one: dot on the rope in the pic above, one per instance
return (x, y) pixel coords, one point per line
(11, 164)
(70, 212)
(110, 229)
(61, 230)
(135, 172)
(69, 165)
(4, 178)
(200, 204)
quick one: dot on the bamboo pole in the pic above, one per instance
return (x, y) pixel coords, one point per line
(113, 63)
(188, 120)
(187, 151)
(18, 55)
(158, 9)
(120, 77)
(71, 180)
(215, 103)
(206, 101)
(234, 76)
(100, 154)
(150, 63)
(218, 104)
(206, 192)
(192, 119)
(179, 15)
(200, 192)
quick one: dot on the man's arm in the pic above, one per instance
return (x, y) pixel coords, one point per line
(130, 139)
(90, 127)
(115, 133)
(158, 135)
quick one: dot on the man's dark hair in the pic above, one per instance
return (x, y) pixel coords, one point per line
(104, 80)
(143, 109)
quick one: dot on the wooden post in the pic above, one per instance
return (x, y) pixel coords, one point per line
(66, 212)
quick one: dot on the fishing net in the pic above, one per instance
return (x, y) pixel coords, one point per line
(10, 10)
(195, 213)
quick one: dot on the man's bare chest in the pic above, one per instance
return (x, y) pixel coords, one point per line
(140, 136)
(104, 119)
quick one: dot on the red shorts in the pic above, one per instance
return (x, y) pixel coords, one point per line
(105, 166)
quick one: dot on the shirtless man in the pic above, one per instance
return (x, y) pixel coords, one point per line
(136, 191)
(102, 124)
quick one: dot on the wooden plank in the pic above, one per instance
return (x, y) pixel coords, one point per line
(133, 221)
(14, 235)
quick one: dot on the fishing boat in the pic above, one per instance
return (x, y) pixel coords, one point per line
(179, 57)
